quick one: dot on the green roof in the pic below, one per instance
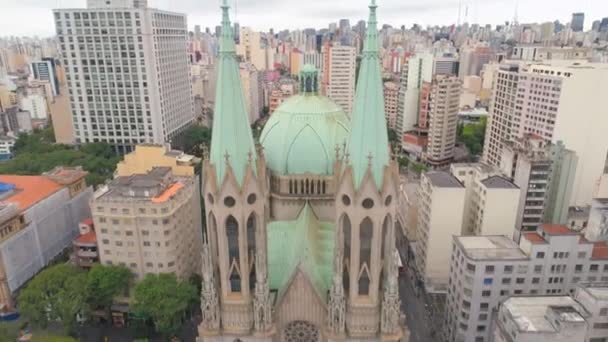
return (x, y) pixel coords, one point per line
(306, 243)
(231, 136)
(368, 135)
(302, 134)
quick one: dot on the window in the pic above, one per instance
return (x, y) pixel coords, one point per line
(146, 243)
(535, 280)
(490, 269)
(486, 293)
(593, 268)
(128, 233)
(346, 236)
(600, 326)
(251, 247)
(506, 280)
(578, 268)
(540, 255)
(504, 292)
(582, 255)
(484, 306)
(519, 280)
(145, 233)
(471, 267)
(483, 316)
(365, 237)
(105, 241)
(538, 269)
(481, 328)
(604, 312)
(487, 281)
(508, 269)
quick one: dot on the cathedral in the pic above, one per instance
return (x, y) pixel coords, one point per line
(300, 238)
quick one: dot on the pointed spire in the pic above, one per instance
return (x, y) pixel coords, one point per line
(368, 135)
(231, 132)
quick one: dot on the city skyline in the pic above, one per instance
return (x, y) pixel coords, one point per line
(291, 14)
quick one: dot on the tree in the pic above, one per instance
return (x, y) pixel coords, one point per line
(56, 294)
(163, 299)
(104, 283)
(473, 136)
(192, 139)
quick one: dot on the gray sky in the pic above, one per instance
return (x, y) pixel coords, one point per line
(33, 17)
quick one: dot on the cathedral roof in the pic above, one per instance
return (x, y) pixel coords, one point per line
(368, 143)
(231, 141)
(302, 134)
(306, 243)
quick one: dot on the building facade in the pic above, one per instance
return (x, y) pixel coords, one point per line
(127, 71)
(339, 75)
(443, 105)
(299, 244)
(391, 100)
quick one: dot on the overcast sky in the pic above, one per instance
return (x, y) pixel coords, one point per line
(33, 17)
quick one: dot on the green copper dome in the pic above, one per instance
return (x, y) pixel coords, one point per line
(302, 134)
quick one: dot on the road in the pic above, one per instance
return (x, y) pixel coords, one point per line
(416, 315)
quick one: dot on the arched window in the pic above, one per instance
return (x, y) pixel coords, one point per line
(301, 186)
(318, 187)
(347, 239)
(211, 232)
(386, 225)
(323, 187)
(290, 186)
(307, 187)
(365, 254)
(232, 235)
(251, 248)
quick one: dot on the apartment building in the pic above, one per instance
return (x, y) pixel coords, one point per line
(39, 217)
(127, 70)
(555, 100)
(149, 218)
(441, 200)
(540, 319)
(339, 75)
(391, 99)
(594, 298)
(443, 104)
(485, 270)
(491, 200)
(44, 70)
(251, 81)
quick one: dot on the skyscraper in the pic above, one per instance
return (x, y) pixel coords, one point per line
(578, 22)
(45, 70)
(339, 74)
(442, 102)
(128, 72)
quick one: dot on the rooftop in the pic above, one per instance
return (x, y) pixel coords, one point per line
(490, 247)
(534, 238)
(443, 179)
(597, 292)
(497, 182)
(29, 190)
(88, 238)
(557, 229)
(600, 250)
(530, 313)
(66, 175)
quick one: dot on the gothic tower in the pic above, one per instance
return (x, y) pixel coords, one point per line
(365, 214)
(235, 193)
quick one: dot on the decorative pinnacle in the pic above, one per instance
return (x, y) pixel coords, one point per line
(369, 159)
(337, 149)
(227, 157)
(249, 157)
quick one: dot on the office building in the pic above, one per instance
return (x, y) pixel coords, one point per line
(44, 70)
(338, 78)
(441, 200)
(391, 100)
(446, 64)
(149, 220)
(578, 22)
(556, 101)
(251, 80)
(128, 72)
(442, 104)
(540, 319)
(39, 218)
(417, 70)
(251, 49)
(485, 270)
(472, 61)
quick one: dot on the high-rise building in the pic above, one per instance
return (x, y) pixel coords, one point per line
(485, 270)
(417, 70)
(299, 240)
(472, 61)
(391, 100)
(251, 79)
(339, 74)
(250, 48)
(45, 70)
(148, 218)
(443, 105)
(446, 65)
(556, 100)
(36, 105)
(128, 72)
(440, 211)
(578, 22)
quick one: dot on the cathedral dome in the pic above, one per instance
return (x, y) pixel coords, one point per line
(302, 133)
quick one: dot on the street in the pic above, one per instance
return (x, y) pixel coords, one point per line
(416, 315)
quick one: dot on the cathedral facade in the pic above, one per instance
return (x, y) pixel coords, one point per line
(300, 239)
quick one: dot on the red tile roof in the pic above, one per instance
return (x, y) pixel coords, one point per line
(88, 238)
(87, 221)
(168, 193)
(29, 190)
(534, 238)
(557, 229)
(600, 250)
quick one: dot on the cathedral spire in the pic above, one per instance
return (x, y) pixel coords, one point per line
(231, 134)
(368, 135)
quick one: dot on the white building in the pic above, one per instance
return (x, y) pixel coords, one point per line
(339, 75)
(491, 201)
(484, 270)
(540, 319)
(440, 209)
(36, 105)
(128, 72)
(443, 104)
(594, 298)
(557, 101)
(417, 70)
(6, 146)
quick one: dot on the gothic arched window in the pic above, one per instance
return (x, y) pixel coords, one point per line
(365, 240)
(232, 236)
(251, 248)
(386, 225)
(346, 235)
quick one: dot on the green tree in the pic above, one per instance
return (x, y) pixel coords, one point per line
(104, 283)
(192, 139)
(55, 294)
(473, 136)
(163, 299)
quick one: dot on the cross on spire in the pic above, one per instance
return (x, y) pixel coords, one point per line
(369, 159)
